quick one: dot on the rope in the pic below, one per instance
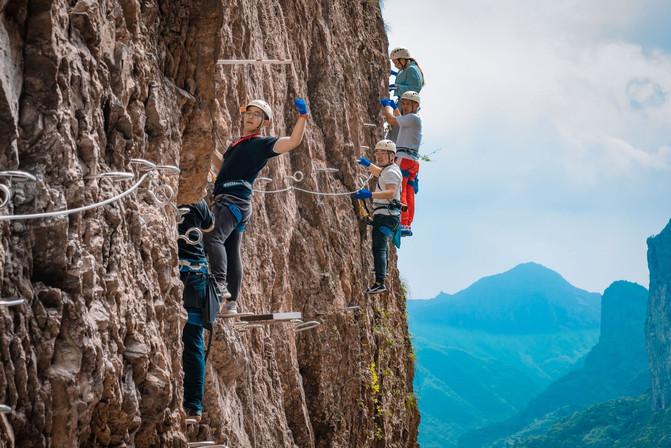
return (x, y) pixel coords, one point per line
(312, 192)
(164, 190)
(62, 213)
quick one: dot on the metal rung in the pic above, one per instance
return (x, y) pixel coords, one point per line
(327, 169)
(272, 317)
(233, 316)
(341, 310)
(4, 409)
(113, 175)
(12, 174)
(369, 125)
(191, 421)
(12, 302)
(306, 326)
(252, 61)
(199, 444)
(247, 326)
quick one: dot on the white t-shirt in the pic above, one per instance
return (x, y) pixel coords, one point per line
(391, 174)
(409, 135)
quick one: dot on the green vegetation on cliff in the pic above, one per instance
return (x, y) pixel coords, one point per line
(622, 423)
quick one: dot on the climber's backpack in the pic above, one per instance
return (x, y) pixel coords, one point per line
(210, 309)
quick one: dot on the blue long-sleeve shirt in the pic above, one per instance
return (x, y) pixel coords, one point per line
(410, 78)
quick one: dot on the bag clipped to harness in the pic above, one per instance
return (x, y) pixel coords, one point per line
(210, 306)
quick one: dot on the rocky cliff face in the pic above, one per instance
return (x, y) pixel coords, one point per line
(658, 325)
(94, 357)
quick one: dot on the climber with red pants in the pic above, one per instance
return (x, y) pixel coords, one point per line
(194, 274)
(409, 123)
(237, 170)
(408, 78)
(386, 207)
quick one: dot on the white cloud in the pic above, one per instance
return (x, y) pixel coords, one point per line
(524, 62)
(556, 124)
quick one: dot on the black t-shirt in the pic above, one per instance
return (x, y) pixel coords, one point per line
(199, 215)
(243, 163)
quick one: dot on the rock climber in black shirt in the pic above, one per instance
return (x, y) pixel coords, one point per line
(193, 271)
(237, 170)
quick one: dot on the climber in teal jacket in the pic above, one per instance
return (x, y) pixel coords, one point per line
(409, 76)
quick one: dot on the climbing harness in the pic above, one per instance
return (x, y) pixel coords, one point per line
(393, 205)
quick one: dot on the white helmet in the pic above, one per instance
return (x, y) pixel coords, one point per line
(265, 107)
(386, 145)
(399, 53)
(410, 95)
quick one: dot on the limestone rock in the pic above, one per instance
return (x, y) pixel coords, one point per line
(94, 357)
(658, 325)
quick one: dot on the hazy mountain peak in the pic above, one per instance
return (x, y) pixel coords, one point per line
(527, 298)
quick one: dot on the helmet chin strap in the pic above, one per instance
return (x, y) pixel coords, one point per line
(391, 162)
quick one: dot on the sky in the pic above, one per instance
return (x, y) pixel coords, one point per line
(553, 125)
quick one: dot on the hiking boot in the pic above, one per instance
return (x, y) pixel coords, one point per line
(231, 307)
(377, 288)
(224, 294)
(406, 231)
(193, 414)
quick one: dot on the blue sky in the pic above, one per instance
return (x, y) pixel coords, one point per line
(554, 120)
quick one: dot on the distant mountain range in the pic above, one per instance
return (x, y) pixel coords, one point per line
(615, 367)
(526, 299)
(484, 353)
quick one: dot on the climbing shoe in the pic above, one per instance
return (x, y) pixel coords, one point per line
(377, 288)
(231, 307)
(406, 231)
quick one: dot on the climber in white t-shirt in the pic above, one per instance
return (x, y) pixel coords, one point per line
(386, 207)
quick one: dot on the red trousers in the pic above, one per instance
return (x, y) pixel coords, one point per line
(410, 169)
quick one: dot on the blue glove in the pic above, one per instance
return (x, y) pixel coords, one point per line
(387, 102)
(392, 87)
(363, 161)
(301, 107)
(364, 193)
(393, 72)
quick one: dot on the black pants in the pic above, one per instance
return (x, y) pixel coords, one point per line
(193, 363)
(384, 228)
(223, 249)
(193, 356)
